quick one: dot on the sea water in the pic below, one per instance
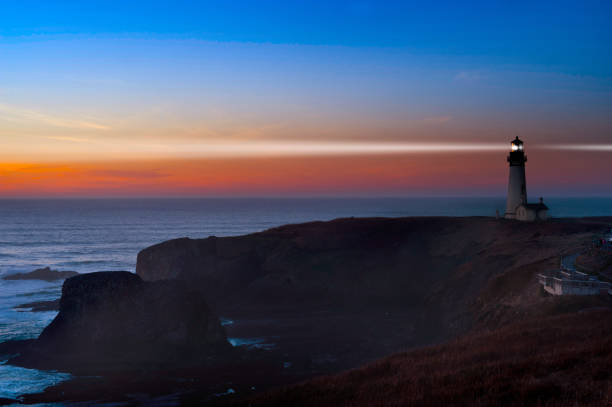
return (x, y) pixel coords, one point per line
(106, 234)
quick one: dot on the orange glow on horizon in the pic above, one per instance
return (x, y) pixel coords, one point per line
(422, 174)
(225, 177)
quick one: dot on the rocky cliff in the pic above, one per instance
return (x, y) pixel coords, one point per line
(109, 319)
(359, 262)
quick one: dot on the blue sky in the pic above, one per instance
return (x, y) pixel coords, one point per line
(491, 60)
(569, 36)
(75, 75)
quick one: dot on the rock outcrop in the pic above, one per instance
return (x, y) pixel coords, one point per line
(39, 306)
(45, 274)
(113, 319)
(359, 262)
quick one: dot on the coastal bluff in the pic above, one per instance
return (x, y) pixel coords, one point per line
(319, 297)
(111, 319)
(361, 262)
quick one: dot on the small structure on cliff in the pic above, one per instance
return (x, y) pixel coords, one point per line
(569, 281)
(516, 202)
(563, 282)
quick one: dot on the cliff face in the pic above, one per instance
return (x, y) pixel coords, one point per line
(358, 262)
(114, 318)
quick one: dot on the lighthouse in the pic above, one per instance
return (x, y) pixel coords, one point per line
(516, 201)
(517, 185)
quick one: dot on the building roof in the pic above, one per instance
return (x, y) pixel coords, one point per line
(517, 141)
(536, 206)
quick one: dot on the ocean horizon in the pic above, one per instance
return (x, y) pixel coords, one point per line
(93, 234)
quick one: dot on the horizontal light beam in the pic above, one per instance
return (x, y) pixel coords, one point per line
(82, 149)
(581, 147)
(303, 148)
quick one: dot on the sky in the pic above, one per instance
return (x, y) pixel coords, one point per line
(303, 98)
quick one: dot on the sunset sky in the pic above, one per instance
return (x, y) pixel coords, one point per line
(275, 98)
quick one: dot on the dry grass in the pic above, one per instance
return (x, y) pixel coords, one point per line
(555, 361)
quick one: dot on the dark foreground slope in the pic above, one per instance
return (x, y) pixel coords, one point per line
(553, 361)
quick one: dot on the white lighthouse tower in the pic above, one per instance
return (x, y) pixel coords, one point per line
(516, 202)
(517, 185)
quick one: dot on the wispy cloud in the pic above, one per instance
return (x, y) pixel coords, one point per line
(69, 139)
(7, 168)
(128, 174)
(27, 115)
(468, 76)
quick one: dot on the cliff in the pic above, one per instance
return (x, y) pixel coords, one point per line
(360, 263)
(114, 319)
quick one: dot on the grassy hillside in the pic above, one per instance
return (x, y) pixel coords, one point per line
(551, 361)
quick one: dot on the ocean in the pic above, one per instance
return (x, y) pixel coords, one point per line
(87, 235)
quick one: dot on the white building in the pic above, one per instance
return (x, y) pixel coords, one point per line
(564, 282)
(516, 202)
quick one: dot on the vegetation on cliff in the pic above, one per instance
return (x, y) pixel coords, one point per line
(552, 361)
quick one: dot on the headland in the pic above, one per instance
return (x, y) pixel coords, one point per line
(317, 298)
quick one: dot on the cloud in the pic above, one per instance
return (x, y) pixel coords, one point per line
(27, 115)
(128, 173)
(71, 139)
(6, 168)
(468, 76)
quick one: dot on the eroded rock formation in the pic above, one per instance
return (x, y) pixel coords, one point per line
(109, 319)
(45, 274)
